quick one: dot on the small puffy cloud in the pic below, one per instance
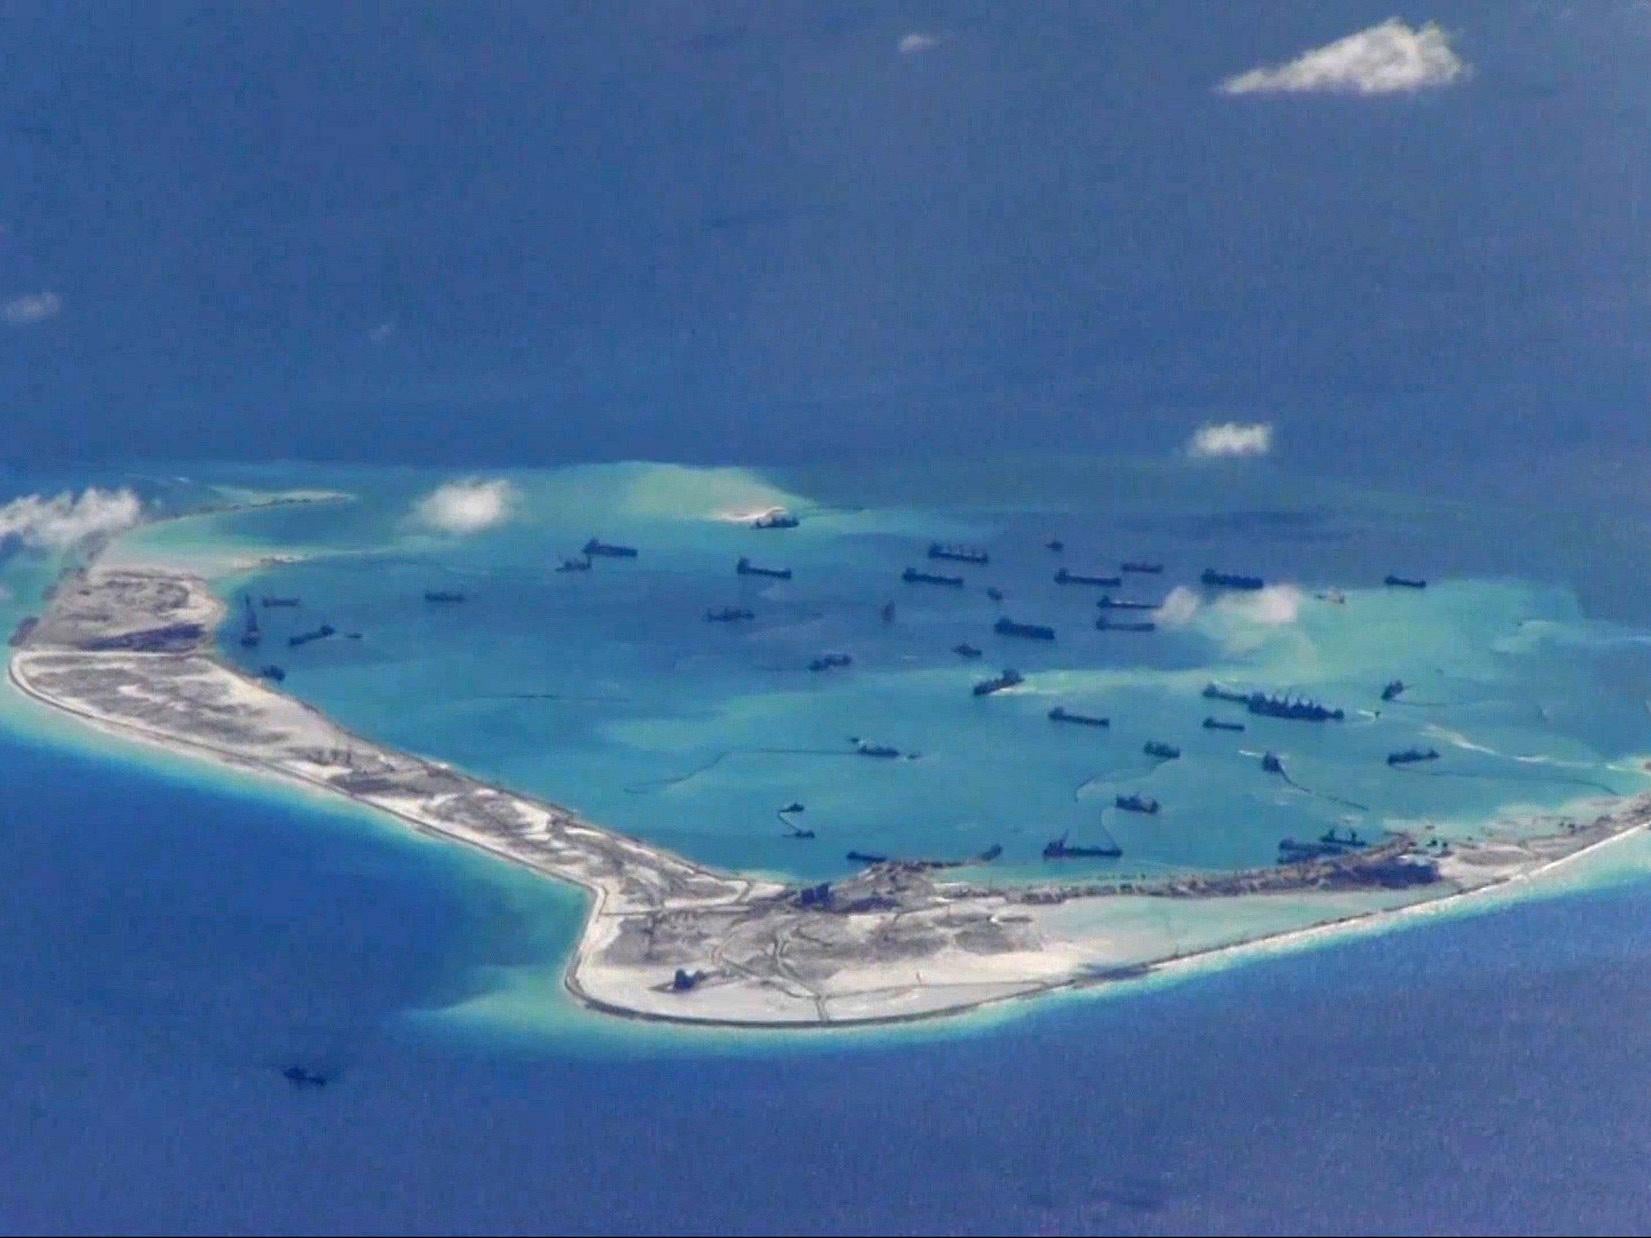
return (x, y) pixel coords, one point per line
(382, 332)
(1246, 622)
(1180, 607)
(1229, 439)
(467, 506)
(1390, 58)
(917, 41)
(65, 520)
(31, 308)
(1273, 607)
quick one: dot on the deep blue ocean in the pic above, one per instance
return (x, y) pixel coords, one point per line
(179, 944)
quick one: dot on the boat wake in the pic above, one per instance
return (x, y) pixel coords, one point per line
(651, 785)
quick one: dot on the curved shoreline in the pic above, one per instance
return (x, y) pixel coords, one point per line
(668, 940)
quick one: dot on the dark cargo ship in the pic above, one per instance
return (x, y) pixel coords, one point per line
(304, 638)
(1393, 689)
(1060, 849)
(960, 554)
(1145, 569)
(914, 577)
(1230, 580)
(1064, 577)
(747, 568)
(866, 748)
(779, 518)
(1108, 602)
(830, 661)
(1008, 679)
(250, 635)
(1302, 710)
(966, 650)
(1137, 803)
(1107, 624)
(272, 673)
(728, 614)
(269, 601)
(1404, 582)
(575, 565)
(1215, 692)
(442, 595)
(1215, 724)
(1411, 756)
(1062, 714)
(1030, 631)
(1164, 752)
(606, 550)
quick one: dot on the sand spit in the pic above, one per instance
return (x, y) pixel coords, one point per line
(131, 650)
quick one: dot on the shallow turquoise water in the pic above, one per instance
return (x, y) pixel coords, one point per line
(608, 691)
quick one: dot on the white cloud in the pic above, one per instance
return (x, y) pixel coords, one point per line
(62, 521)
(467, 506)
(1388, 58)
(1231, 438)
(1275, 606)
(31, 308)
(382, 332)
(917, 41)
(1180, 607)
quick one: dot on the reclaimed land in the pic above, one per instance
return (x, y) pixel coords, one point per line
(133, 651)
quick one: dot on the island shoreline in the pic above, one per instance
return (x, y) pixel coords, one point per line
(679, 911)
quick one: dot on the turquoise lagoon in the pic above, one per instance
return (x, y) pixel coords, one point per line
(608, 691)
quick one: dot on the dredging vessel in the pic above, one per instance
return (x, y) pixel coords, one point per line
(960, 554)
(1108, 624)
(250, 635)
(747, 568)
(1029, 631)
(1060, 849)
(1296, 710)
(1410, 756)
(1064, 577)
(914, 577)
(1230, 580)
(304, 638)
(1108, 602)
(1062, 714)
(1137, 803)
(1008, 679)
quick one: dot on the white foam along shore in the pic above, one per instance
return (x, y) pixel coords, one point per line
(130, 651)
